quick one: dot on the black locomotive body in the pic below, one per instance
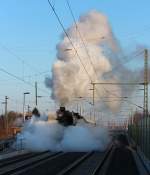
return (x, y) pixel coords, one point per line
(67, 118)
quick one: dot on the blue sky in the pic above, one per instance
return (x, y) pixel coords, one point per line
(30, 30)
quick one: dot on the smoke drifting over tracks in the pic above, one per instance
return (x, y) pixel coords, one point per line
(80, 138)
(74, 163)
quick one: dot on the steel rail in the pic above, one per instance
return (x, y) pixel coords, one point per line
(26, 164)
(85, 157)
(75, 164)
(8, 161)
(101, 164)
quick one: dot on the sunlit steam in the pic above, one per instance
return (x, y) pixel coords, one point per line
(39, 135)
(69, 76)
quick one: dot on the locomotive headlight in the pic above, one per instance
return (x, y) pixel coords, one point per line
(60, 115)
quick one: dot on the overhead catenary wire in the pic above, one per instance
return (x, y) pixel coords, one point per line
(86, 49)
(61, 24)
(127, 60)
(2, 100)
(78, 56)
(84, 45)
(134, 35)
(114, 69)
(81, 37)
(19, 58)
(37, 74)
(82, 40)
(123, 100)
(128, 101)
(20, 79)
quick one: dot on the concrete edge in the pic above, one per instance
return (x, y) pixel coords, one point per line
(139, 164)
(13, 154)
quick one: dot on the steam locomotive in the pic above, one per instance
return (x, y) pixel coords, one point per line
(64, 117)
(67, 118)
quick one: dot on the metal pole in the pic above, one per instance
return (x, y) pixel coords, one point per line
(24, 97)
(145, 127)
(77, 108)
(90, 114)
(36, 102)
(23, 107)
(28, 109)
(93, 93)
(94, 117)
(80, 110)
(6, 119)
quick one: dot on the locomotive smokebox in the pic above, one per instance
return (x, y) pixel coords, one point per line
(62, 108)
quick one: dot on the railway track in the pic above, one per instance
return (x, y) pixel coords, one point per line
(88, 163)
(114, 161)
(19, 164)
(53, 163)
(8, 161)
(56, 164)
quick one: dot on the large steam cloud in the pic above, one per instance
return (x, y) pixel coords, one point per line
(39, 135)
(69, 79)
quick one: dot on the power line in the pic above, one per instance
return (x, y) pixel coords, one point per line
(139, 34)
(73, 44)
(16, 77)
(81, 38)
(23, 62)
(84, 45)
(70, 9)
(107, 91)
(38, 74)
(61, 24)
(19, 58)
(86, 49)
(20, 79)
(126, 61)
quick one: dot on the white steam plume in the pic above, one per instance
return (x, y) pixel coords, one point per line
(39, 135)
(69, 78)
